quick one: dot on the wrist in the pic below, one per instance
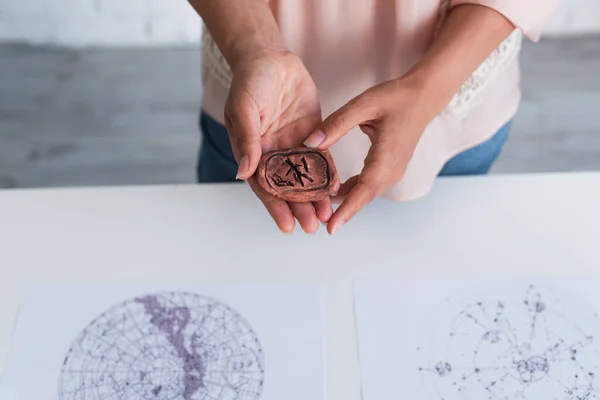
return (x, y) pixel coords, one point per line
(435, 86)
(240, 28)
(423, 98)
(261, 38)
(468, 37)
(247, 52)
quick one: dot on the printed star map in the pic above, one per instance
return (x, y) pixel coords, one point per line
(167, 346)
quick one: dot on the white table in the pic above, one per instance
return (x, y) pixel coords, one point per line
(467, 228)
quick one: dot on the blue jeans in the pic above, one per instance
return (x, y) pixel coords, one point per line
(217, 164)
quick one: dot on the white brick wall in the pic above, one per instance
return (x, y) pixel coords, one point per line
(167, 22)
(99, 22)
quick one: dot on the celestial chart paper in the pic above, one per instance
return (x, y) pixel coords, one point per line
(129, 342)
(480, 341)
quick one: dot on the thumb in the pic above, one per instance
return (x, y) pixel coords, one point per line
(243, 126)
(338, 124)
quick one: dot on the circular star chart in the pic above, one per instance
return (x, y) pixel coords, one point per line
(514, 343)
(167, 346)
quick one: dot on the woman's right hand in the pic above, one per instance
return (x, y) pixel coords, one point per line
(273, 104)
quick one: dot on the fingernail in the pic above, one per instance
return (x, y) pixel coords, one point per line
(288, 229)
(315, 139)
(334, 194)
(337, 227)
(243, 169)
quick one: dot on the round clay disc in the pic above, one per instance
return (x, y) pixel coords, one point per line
(298, 175)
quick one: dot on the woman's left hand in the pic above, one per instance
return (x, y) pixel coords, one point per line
(393, 115)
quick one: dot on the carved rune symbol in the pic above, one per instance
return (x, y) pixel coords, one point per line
(297, 175)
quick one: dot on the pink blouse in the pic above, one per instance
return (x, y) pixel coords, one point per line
(349, 47)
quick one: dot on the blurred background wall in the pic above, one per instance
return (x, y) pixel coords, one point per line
(107, 92)
(171, 22)
(99, 22)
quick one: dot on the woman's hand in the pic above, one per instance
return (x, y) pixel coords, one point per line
(273, 104)
(393, 115)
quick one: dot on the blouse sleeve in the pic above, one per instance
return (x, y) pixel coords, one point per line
(529, 16)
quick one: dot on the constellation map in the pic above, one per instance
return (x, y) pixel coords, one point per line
(511, 345)
(167, 346)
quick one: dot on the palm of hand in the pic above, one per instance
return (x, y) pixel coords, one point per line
(282, 99)
(274, 104)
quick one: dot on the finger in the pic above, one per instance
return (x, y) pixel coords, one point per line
(340, 123)
(336, 188)
(279, 210)
(347, 186)
(344, 189)
(361, 195)
(369, 185)
(242, 121)
(305, 214)
(323, 209)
